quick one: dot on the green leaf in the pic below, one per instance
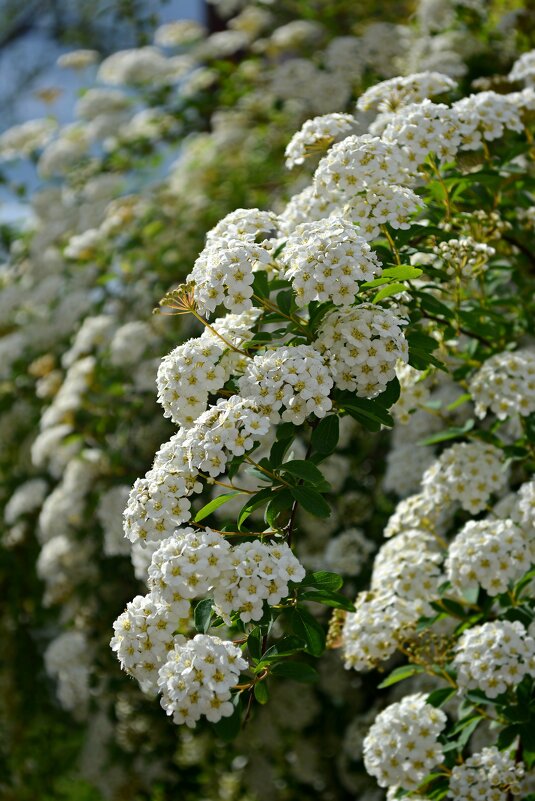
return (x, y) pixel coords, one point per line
(213, 505)
(256, 500)
(303, 469)
(278, 451)
(261, 692)
(439, 697)
(309, 630)
(323, 580)
(229, 728)
(311, 501)
(326, 434)
(450, 433)
(261, 284)
(328, 598)
(390, 395)
(284, 647)
(434, 307)
(254, 643)
(402, 272)
(421, 347)
(371, 415)
(387, 291)
(298, 671)
(281, 501)
(401, 673)
(202, 615)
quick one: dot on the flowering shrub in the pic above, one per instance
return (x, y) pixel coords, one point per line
(332, 335)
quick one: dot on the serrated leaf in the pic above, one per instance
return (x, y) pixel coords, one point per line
(311, 501)
(298, 671)
(214, 504)
(401, 673)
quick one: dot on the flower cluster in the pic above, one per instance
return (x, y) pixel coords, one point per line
(402, 746)
(363, 345)
(493, 657)
(469, 473)
(490, 775)
(197, 679)
(488, 553)
(505, 384)
(328, 260)
(294, 378)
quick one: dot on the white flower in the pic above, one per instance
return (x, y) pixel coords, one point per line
(143, 634)
(488, 553)
(362, 345)
(490, 775)
(348, 552)
(316, 135)
(328, 260)
(402, 746)
(404, 90)
(505, 384)
(197, 679)
(293, 378)
(467, 472)
(494, 657)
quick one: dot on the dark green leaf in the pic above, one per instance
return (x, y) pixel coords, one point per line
(326, 434)
(254, 643)
(439, 697)
(256, 500)
(281, 501)
(284, 647)
(323, 580)
(303, 469)
(309, 630)
(311, 501)
(328, 598)
(298, 671)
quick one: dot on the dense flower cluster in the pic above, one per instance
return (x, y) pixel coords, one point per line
(197, 678)
(328, 260)
(505, 384)
(489, 553)
(363, 345)
(469, 473)
(402, 746)
(494, 656)
(491, 775)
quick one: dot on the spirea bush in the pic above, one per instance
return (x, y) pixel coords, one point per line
(316, 465)
(441, 287)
